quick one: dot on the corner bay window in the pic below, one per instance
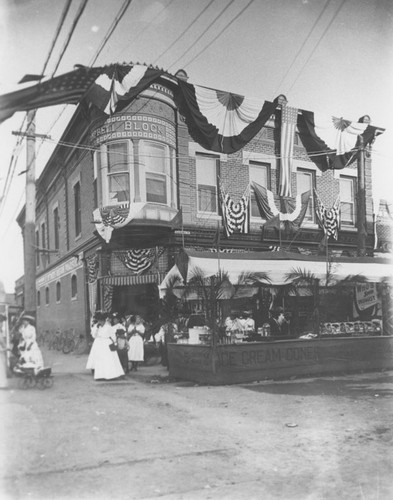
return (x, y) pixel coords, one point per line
(136, 171)
(207, 170)
(347, 200)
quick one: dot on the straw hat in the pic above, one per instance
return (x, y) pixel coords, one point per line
(27, 317)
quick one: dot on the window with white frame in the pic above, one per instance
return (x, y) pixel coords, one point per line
(259, 173)
(347, 200)
(118, 172)
(207, 170)
(305, 180)
(56, 224)
(156, 161)
(77, 209)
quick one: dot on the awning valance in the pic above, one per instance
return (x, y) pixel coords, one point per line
(277, 265)
(125, 280)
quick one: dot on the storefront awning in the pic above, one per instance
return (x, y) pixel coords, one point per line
(277, 266)
(125, 280)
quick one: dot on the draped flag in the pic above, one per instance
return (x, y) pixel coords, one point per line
(332, 143)
(108, 218)
(64, 89)
(139, 260)
(92, 264)
(221, 121)
(292, 210)
(288, 126)
(118, 84)
(329, 218)
(235, 214)
(107, 87)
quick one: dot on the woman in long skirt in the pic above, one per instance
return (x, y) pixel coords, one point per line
(102, 359)
(135, 352)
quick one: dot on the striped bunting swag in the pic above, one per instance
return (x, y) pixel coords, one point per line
(139, 260)
(235, 214)
(329, 218)
(111, 216)
(288, 126)
(92, 268)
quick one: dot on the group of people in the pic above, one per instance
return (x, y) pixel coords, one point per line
(117, 346)
(243, 323)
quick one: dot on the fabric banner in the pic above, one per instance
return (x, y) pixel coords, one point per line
(331, 142)
(288, 126)
(106, 219)
(92, 288)
(221, 121)
(118, 84)
(235, 214)
(329, 218)
(292, 210)
(108, 296)
(92, 264)
(139, 260)
(109, 88)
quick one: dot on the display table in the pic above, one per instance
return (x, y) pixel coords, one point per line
(253, 361)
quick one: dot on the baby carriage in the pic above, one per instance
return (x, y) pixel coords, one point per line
(43, 378)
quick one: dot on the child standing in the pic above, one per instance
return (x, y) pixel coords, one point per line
(135, 353)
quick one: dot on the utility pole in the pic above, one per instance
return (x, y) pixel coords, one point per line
(361, 205)
(29, 229)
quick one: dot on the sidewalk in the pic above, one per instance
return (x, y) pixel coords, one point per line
(72, 364)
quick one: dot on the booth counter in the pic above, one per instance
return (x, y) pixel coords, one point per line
(255, 361)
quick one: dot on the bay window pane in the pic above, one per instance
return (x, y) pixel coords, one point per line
(119, 187)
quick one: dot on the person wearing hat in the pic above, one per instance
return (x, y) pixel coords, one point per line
(248, 323)
(102, 359)
(27, 328)
(276, 322)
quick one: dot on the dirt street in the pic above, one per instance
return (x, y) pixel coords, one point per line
(147, 437)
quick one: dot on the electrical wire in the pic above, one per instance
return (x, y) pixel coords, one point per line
(302, 45)
(317, 44)
(112, 28)
(185, 30)
(220, 33)
(59, 27)
(70, 34)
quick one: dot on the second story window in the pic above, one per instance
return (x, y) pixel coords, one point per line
(259, 173)
(118, 173)
(305, 180)
(347, 200)
(77, 208)
(56, 222)
(157, 172)
(206, 177)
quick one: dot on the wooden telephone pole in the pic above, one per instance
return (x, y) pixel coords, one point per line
(361, 205)
(29, 228)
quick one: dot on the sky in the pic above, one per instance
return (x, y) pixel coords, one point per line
(333, 57)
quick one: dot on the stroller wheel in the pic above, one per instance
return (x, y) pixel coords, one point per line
(48, 382)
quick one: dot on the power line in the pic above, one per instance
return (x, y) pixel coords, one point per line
(220, 33)
(303, 44)
(59, 27)
(201, 35)
(317, 44)
(70, 34)
(112, 28)
(185, 31)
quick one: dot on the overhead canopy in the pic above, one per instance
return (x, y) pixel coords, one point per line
(276, 265)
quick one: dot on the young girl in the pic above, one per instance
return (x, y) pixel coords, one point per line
(135, 353)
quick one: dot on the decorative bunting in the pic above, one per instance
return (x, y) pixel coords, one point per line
(288, 126)
(235, 214)
(329, 218)
(221, 121)
(292, 210)
(113, 217)
(92, 264)
(331, 142)
(139, 260)
(108, 296)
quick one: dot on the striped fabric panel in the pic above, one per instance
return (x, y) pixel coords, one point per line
(288, 126)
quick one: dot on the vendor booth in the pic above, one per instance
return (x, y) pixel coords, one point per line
(338, 315)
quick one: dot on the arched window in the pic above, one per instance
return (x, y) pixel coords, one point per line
(47, 295)
(38, 298)
(58, 291)
(74, 286)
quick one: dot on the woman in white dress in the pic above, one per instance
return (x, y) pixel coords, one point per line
(136, 331)
(102, 360)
